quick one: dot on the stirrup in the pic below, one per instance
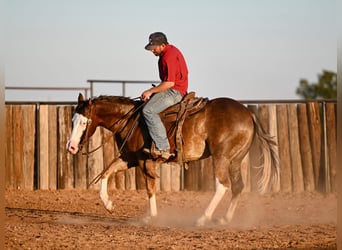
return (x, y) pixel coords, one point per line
(165, 154)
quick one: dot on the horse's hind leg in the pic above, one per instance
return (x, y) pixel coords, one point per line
(237, 187)
(219, 193)
(221, 165)
(228, 175)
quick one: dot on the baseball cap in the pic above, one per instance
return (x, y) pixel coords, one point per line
(155, 39)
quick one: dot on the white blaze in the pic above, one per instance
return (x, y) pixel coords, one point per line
(79, 123)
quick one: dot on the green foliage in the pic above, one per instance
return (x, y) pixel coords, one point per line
(326, 88)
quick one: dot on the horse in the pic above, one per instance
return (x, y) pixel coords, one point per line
(224, 129)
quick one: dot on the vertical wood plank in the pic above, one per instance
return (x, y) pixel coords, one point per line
(165, 177)
(140, 178)
(273, 131)
(44, 147)
(332, 142)
(254, 156)
(52, 145)
(29, 132)
(18, 138)
(175, 176)
(245, 166)
(305, 148)
(130, 183)
(65, 160)
(95, 159)
(296, 160)
(80, 168)
(108, 155)
(263, 116)
(194, 169)
(315, 129)
(9, 161)
(284, 150)
(157, 179)
(81, 176)
(207, 177)
(192, 176)
(120, 180)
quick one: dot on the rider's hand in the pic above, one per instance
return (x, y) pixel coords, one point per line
(146, 95)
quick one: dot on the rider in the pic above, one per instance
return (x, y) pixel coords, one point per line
(173, 73)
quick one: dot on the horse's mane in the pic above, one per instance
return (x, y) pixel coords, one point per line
(113, 99)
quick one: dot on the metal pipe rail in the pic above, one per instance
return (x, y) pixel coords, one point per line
(122, 82)
(84, 89)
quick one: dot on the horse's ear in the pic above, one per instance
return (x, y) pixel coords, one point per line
(90, 102)
(80, 97)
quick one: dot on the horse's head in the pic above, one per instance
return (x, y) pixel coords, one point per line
(83, 125)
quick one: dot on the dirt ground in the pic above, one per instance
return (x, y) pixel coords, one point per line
(74, 219)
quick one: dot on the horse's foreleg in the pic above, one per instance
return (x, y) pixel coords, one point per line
(117, 165)
(151, 191)
(153, 205)
(219, 193)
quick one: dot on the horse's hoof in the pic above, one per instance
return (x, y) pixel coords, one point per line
(148, 219)
(109, 207)
(202, 221)
(223, 221)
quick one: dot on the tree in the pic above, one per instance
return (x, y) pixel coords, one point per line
(326, 88)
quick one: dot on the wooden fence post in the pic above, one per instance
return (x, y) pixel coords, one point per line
(95, 159)
(44, 147)
(52, 126)
(264, 117)
(273, 131)
(47, 147)
(284, 150)
(245, 173)
(65, 160)
(18, 138)
(140, 178)
(130, 183)
(175, 176)
(305, 148)
(296, 160)
(9, 172)
(29, 127)
(254, 156)
(165, 177)
(109, 154)
(331, 141)
(315, 130)
(207, 175)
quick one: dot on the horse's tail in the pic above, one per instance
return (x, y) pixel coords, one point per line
(270, 170)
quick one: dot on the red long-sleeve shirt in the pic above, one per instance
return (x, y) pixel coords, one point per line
(173, 68)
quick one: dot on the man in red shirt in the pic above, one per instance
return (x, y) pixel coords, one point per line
(173, 73)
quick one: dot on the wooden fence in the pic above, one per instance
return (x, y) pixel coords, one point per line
(36, 156)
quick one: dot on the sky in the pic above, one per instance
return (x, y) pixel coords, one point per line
(243, 49)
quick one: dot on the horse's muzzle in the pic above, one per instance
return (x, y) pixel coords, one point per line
(72, 147)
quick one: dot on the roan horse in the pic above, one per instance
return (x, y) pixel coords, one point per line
(223, 129)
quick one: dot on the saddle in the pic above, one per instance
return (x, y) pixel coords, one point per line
(173, 119)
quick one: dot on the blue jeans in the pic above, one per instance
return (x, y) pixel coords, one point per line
(157, 103)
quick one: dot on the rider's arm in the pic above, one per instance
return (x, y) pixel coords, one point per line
(160, 88)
